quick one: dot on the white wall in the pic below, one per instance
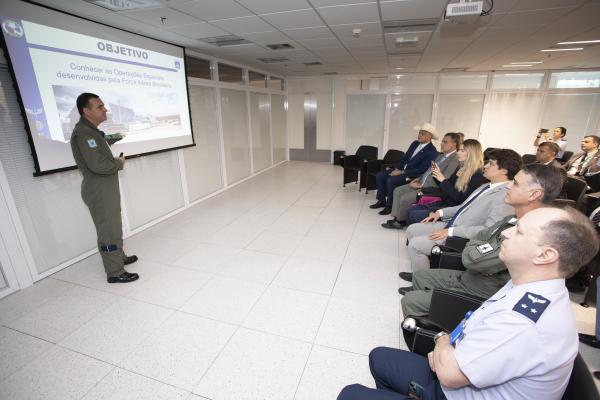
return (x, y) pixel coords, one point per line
(52, 225)
(498, 109)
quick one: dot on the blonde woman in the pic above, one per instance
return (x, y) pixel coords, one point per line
(456, 188)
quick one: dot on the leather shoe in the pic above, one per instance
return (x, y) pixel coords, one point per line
(123, 278)
(590, 340)
(130, 259)
(405, 289)
(393, 224)
(385, 211)
(407, 276)
(379, 204)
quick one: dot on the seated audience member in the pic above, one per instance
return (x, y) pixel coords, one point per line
(483, 208)
(404, 196)
(520, 344)
(415, 162)
(546, 154)
(535, 186)
(588, 161)
(454, 190)
(558, 137)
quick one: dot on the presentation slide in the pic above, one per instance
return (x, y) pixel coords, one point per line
(144, 90)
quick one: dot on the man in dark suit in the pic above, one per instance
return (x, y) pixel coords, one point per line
(546, 154)
(588, 161)
(415, 162)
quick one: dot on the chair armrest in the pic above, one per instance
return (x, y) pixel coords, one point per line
(446, 258)
(448, 307)
(374, 166)
(456, 242)
(350, 160)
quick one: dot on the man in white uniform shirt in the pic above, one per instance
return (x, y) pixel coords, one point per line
(521, 343)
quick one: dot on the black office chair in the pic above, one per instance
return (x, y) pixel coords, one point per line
(352, 164)
(572, 191)
(448, 255)
(371, 168)
(581, 384)
(566, 157)
(528, 159)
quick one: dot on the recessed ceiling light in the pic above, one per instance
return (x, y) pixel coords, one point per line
(398, 68)
(526, 62)
(565, 49)
(516, 65)
(581, 42)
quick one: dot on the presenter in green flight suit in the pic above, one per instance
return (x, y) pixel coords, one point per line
(100, 186)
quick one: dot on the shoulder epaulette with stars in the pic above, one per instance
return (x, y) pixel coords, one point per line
(531, 305)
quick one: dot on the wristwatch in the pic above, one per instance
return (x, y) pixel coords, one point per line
(439, 335)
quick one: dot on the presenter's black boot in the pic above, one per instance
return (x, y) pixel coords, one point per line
(125, 277)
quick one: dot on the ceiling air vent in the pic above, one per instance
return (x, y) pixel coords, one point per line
(453, 70)
(223, 41)
(312, 63)
(280, 46)
(410, 25)
(273, 60)
(330, 73)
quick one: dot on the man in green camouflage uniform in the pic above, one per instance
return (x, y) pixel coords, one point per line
(533, 187)
(100, 186)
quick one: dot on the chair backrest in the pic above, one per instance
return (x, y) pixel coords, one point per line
(581, 384)
(528, 158)
(574, 188)
(367, 153)
(393, 156)
(566, 157)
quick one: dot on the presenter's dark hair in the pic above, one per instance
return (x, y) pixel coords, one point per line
(83, 100)
(563, 130)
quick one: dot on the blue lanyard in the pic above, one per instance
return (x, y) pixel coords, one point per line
(457, 334)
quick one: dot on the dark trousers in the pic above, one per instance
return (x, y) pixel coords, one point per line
(386, 185)
(393, 370)
(417, 213)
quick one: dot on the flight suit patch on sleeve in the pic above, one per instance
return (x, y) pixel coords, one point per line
(484, 248)
(92, 143)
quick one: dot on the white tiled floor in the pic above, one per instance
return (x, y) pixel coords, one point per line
(275, 289)
(269, 290)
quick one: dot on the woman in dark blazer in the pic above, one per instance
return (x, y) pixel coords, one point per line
(455, 189)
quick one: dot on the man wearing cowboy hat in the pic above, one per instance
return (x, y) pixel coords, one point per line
(415, 162)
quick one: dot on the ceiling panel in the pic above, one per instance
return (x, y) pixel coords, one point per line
(271, 6)
(356, 13)
(155, 17)
(265, 38)
(406, 61)
(541, 4)
(344, 31)
(538, 17)
(316, 32)
(412, 9)
(209, 10)
(200, 30)
(362, 41)
(243, 25)
(294, 19)
(321, 43)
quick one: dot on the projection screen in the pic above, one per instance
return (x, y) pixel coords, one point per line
(55, 56)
